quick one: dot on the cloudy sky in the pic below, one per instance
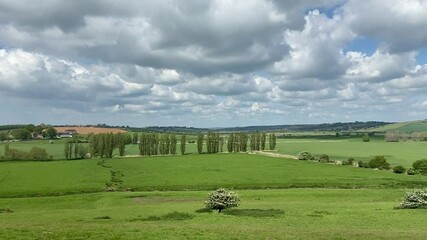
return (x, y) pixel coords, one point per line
(212, 63)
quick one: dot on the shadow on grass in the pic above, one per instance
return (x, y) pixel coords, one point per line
(5, 210)
(102, 218)
(173, 216)
(257, 213)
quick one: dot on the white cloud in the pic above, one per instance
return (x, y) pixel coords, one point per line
(316, 51)
(211, 63)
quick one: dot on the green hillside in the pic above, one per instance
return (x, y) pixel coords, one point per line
(413, 126)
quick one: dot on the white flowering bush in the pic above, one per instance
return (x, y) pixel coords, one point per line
(416, 198)
(221, 199)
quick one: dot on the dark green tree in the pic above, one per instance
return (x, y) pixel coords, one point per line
(173, 142)
(200, 137)
(183, 143)
(135, 138)
(67, 150)
(263, 140)
(272, 141)
(50, 132)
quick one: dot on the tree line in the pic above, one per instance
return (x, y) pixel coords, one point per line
(149, 144)
(236, 142)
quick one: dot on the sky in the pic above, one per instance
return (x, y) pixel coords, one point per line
(212, 63)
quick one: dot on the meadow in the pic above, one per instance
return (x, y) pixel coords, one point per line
(396, 153)
(281, 198)
(338, 148)
(263, 214)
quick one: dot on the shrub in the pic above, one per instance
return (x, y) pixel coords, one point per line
(411, 171)
(39, 154)
(366, 137)
(379, 162)
(305, 156)
(399, 169)
(416, 198)
(420, 166)
(350, 161)
(362, 164)
(221, 199)
(324, 158)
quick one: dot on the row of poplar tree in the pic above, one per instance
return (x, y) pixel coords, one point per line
(103, 145)
(236, 142)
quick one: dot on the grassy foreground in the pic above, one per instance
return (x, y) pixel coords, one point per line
(190, 172)
(263, 214)
(310, 204)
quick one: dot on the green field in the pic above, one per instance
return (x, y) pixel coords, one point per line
(263, 214)
(190, 172)
(281, 199)
(341, 148)
(396, 153)
(413, 126)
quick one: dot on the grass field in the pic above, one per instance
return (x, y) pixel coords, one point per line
(191, 172)
(263, 214)
(396, 153)
(281, 199)
(414, 126)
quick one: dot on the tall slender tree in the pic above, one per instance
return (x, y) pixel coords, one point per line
(200, 137)
(272, 141)
(183, 143)
(66, 149)
(173, 143)
(263, 140)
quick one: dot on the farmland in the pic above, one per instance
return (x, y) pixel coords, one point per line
(338, 148)
(281, 198)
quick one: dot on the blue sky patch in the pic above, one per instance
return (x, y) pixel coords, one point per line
(364, 45)
(422, 56)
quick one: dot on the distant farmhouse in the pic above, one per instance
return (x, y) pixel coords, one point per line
(67, 133)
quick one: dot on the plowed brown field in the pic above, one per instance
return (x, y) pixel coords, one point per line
(87, 130)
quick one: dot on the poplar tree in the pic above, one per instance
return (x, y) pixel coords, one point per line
(167, 143)
(272, 141)
(253, 141)
(173, 142)
(257, 141)
(66, 149)
(263, 140)
(121, 144)
(183, 142)
(200, 143)
(230, 142)
(135, 138)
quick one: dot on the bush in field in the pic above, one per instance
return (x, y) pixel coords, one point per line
(221, 199)
(366, 138)
(323, 158)
(399, 169)
(362, 164)
(416, 198)
(379, 162)
(305, 156)
(350, 161)
(39, 154)
(411, 171)
(420, 166)
(35, 153)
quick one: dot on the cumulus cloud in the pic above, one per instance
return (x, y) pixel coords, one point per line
(211, 63)
(316, 51)
(397, 24)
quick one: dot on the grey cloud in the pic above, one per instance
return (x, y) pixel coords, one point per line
(397, 24)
